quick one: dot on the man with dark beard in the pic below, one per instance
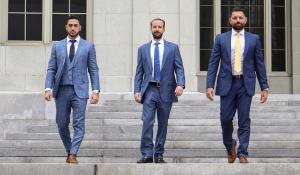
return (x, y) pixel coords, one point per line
(241, 59)
(156, 87)
(67, 81)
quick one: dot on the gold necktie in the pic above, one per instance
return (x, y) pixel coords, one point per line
(237, 54)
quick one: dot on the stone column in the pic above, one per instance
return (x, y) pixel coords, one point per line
(113, 41)
(296, 45)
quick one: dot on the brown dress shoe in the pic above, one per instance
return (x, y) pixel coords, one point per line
(231, 153)
(71, 158)
(243, 159)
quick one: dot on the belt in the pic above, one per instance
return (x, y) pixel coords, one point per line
(65, 85)
(237, 76)
(155, 84)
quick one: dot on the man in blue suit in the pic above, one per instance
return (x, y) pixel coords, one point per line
(156, 87)
(242, 60)
(67, 78)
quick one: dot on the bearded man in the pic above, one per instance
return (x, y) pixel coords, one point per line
(156, 87)
(241, 59)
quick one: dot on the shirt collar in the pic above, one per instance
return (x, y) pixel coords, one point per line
(161, 41)
(242, 32)
(77, 39)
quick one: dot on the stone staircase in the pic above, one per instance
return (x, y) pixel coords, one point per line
(113, 131)
(194, 133)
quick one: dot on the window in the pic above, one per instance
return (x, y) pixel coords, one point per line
(42, 21)
(25, 20)
(62, 9)
(278, 35)
(206, 32)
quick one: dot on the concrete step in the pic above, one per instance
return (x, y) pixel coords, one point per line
(190, 122)
(113, 131)
(170, 136)
(191, 115)
(91, 144)
(171, 129)
(202, 103)
(85, 160)
(135, 152)
(151, 169)
(199, 169)
(138, 108)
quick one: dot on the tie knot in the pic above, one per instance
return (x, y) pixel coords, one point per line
(156, 44)
(72, 41)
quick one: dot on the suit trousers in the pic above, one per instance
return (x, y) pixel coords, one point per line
(65, 101)
(236, 99)
(153, 104)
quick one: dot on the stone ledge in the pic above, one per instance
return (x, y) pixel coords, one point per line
(151, 169)
(14, 105)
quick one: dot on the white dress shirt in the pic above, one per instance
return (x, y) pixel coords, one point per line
(69, 43)
(161, 52)
(242, 38)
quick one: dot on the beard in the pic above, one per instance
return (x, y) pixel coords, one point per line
(73, 34)
(238, 26)
(157, 35)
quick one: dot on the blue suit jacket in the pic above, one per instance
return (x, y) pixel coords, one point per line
(84, 60)
(253, 64)
(171, 65)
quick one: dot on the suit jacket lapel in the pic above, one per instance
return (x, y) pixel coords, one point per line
(75, 59)
(228, 44)
(166, 50)
(62, 51)
(247, 39)
(148, 55)
(65, 52)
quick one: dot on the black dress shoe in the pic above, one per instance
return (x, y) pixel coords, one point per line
(160, 160)
(145, 160)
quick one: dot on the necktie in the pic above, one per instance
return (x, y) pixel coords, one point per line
(156, 63)
(237, 54)
(72, 50)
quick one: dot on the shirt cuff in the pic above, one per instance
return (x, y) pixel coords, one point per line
(96, 91)
(181, 86)
(48, 89)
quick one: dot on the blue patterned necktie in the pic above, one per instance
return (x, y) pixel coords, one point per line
(72, 50)
(156, 63)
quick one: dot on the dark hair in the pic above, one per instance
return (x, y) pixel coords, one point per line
(237, 9)
(71, 17)
(158, 19)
